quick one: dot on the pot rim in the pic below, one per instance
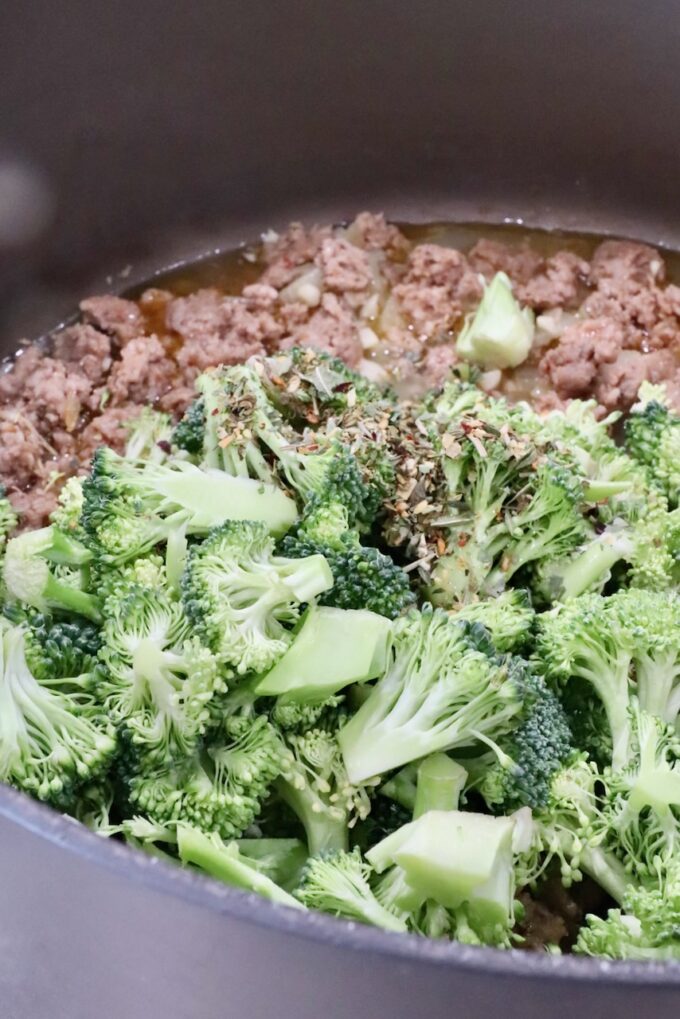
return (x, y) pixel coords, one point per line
(205, 892)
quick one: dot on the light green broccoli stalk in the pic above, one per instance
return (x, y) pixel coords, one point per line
(500, 333)
(49, 569)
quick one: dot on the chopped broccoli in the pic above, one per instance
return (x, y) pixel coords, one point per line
(439, 784)
(8, 519)
(189, 433)
(339, 883)
(243, 600)
(444, 687)
(332, 649)
(530, 754)
(220, 788)
(49, 569)
(645, 928)
(149, 436)
(316, 787)
(653, 439)
(131, 506)
(158, 680)
(69, 507)
(226, 863)
(500, 333)
(54, 735)
(509, 618)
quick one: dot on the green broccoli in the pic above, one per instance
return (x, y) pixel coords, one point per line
(158, 680)
(339, 883)
(650, 623)
(530, 754)
(129, 506)
(49, 569)
(54, 735)
(226, 863)
(221, 787)
(8, 519)
(509, 618)
(316, 787)
(243, 600)
(500, 333)
(149, 436)
(653, 439)
(189, 433)
(644, 929)
(445, 687)
(66, 516)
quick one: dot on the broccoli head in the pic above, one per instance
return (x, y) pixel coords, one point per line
(653, 439)
(242, 599)
(49, 569)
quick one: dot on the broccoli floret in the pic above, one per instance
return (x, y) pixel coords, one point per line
(158, 680)
(316, 787)
(62, 647)
(69, 507)
(189, 432)
(565, 830)
(54, 735)
(131, 506)
(228, 864)
(339, 883)
(530, 755)
(650, 621)
(639, 820)
(92, 806)
(222, 787)
(500, 333)
(363, 577)
(8, 519)
(49, 569)
(645, 929)
(587, 569)
(584, 638)
(291, 716)
(444, 687)
(149, 436)
(653, 439)
(509, 618)
(242, 599)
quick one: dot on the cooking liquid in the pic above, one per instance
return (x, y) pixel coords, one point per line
(231, 271)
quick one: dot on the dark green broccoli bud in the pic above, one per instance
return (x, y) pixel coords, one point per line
(531, 754)
(49, 569)
(222, 787)
(587, 720)
(62, 647)
(509, 618)
(189, 432)
(228, 864)
(385, 817)
(363, 578)
(243, 600)
(315, 786)
(444, 687)
(54, 736)
(339, 883)
(653, 439)
(645, 929)
(158, 680)
(131, 506)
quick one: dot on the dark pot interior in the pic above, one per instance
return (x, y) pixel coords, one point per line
(147, 133)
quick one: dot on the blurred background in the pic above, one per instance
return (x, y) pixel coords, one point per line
(135, 134)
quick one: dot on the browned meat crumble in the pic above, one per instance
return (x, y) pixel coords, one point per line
(389, 306)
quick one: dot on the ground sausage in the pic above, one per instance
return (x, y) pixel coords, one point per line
(331, 328)
(114, 315)
(143, 374)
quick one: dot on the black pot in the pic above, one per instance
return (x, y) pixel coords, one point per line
(142, 133)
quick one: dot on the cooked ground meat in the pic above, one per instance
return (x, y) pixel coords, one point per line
(366, 293)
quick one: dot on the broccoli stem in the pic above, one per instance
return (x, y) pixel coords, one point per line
(325, 831)
(225, 863)
(440, 783)
(63, 596)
